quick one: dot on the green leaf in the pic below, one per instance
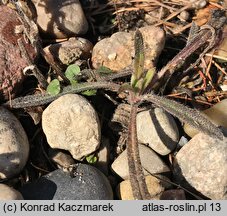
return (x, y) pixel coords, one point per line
(89, 92)
(71, 72)
(91, 159)
(148, 77)
(54, 87)
(139, 58)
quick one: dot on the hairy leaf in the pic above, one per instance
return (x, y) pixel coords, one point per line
(188, 115)
(149, 76)
(139, 58)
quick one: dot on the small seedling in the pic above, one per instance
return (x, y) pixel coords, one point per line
(92, 159)
(54, 87)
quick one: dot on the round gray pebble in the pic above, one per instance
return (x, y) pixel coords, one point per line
(84, 182)
(14, 145)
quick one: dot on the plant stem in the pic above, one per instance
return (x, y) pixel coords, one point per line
(41, 99)
(138, 184)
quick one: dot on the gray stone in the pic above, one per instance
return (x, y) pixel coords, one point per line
(14, 146)
(117, 51)
(84, 183)
(149, 159)
(61, 18)
(9, 193)
(71, 123)
(158, 129)
(201, 164)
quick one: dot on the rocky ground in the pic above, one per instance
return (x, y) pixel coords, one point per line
(74, 147)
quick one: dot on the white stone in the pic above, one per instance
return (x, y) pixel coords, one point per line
(71, 123)
(14, 146)
(202, 163)
(61, 18)
(9, 193)
(158, 129)
(149, 159)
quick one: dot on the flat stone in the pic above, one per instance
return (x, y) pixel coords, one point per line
(149, 159)
(217, 114)
(158, 129)
(9, 193)
(14, 146)
(71, 123)
(117, 52)
(61, 18)
(87, 183)
(201, 164)
(154, 185)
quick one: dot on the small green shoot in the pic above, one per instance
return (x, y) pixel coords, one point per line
(91, 159)
(140, 79)
(54, 87)
(71, 72)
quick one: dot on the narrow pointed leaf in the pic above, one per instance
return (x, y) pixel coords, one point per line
(149, 75)
(188, 115)
(139, 58)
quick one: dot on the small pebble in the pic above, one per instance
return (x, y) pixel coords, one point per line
(154, 186)
(149, 159)
(72, 124)
(9, 193)
(61, 18)
(184, 16)
(68, 52)
(201, 164)
(85, 182)
(198, 4)
(158, 129)
(14, 146)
